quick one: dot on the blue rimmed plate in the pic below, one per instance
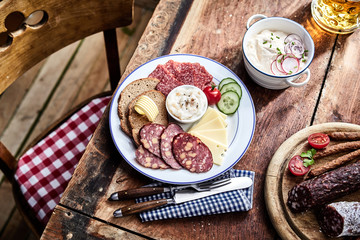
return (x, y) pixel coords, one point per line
(241, 125)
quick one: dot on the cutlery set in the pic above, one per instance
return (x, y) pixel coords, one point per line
(180, 194)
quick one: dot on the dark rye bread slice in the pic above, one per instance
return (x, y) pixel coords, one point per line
(130, 92)
(137, 121)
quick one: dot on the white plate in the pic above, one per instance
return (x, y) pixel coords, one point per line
(241, 125)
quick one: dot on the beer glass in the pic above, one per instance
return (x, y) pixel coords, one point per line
(337, 16)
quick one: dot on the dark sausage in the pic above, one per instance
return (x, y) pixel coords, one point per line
(340, 219)
(324, 188)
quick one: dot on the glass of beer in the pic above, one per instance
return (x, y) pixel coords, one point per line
(337, 16)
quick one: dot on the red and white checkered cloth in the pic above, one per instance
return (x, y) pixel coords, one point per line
(44, 171)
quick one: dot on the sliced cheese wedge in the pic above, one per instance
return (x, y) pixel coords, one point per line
(209, 115)
(217, 149)
(216, 123)
(219, 135)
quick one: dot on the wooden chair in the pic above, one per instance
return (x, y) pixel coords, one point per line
(29, 32)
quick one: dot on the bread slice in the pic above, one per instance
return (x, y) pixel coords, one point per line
(130, 92)
(137, 121)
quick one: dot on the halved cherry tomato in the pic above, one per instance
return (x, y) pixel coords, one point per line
(296, 166)
(213, 94)
(318, 140)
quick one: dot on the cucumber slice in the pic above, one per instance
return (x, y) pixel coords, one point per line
(229, 102)
(225, 81)
(233, 86)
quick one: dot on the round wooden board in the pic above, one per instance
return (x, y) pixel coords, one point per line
(279, 181)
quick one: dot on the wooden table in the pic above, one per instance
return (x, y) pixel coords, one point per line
(214, 29)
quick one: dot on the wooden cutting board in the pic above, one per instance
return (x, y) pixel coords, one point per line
(279, 181)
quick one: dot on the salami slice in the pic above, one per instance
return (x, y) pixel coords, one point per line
(324, 188)
(192, 153)
(167, 80)
(340, 219)
(166, 144)
(185, 73)
(149, 160)
(150, 137)
(202, 78)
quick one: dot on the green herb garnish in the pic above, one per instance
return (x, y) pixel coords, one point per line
(277, 37)
(309, 155)
(264, 42)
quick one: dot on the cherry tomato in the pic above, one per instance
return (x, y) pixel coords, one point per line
(318, 140)
(213, 94)
(296, 166)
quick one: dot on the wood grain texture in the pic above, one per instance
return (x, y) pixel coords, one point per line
(67, 224)
(66, 23)
(42, 87)
(340, 99)
(168, 16)
(279, 181)
(49, 72)
(214, 30)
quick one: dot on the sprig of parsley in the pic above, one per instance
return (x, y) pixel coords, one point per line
(309, 155)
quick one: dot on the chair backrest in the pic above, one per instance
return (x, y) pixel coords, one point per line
(32, 30)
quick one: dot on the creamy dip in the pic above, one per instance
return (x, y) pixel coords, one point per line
(186, 102)
(265, 47)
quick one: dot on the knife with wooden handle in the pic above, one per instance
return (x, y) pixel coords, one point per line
(137, 192)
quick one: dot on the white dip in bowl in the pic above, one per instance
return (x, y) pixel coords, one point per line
(186, 103)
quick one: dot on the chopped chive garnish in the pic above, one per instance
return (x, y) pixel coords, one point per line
(270, 45)
(292, 43)
(271, 38)
(304, 60)
(277, 37)
(306, 50)
(272, 34)
(295, 67)
(278, 49)
(264, 42)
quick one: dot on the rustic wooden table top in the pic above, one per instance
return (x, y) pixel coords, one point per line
(214, 29)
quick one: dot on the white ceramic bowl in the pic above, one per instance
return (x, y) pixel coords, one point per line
(277, 24)
(199, 113)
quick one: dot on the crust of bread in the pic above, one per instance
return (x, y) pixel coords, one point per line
(129, 93)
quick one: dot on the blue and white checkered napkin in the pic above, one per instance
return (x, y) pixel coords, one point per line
(232, 201)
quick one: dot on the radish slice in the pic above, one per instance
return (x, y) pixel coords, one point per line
(297, 48)
(287, 48)
(275, 71)
(290, 65)
(279, 59)
(292, 37)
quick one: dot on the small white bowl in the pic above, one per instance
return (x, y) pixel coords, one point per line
(277, 24)
(181, 89)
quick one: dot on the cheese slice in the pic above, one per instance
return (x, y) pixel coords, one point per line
(217, 149)
(219, 135)
(209, 115)
(216, 123)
